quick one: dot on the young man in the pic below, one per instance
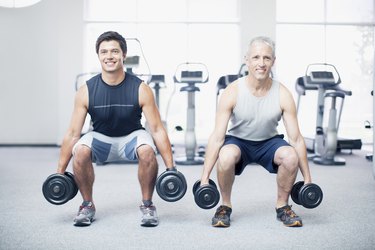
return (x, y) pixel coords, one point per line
(115, 101)
(254, 104)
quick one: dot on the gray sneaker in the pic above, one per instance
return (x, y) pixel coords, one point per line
(149, 216)
(288, 216)
(222, 216)
(85, 215)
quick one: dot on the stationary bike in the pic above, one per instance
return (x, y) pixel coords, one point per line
(326, 79)
(190, 74)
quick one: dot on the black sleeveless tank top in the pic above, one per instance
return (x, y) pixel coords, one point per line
(115, 110)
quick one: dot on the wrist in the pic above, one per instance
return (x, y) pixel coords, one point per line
(172, 168)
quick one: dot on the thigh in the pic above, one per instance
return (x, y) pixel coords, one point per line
(85, 140)
(238, 148)
(229, 154)
(266, 154)
(129, 145)
(99, 144)
(286, 155)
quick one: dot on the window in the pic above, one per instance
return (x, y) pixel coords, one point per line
(339, 32)
(171, 32)
(17, 3)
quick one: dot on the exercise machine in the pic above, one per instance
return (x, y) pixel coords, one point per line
(325, 79)
(190, 74)
(157, 82)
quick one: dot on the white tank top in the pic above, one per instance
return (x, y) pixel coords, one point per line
(255, 118)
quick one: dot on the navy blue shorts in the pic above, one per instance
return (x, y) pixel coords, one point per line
(260, 152)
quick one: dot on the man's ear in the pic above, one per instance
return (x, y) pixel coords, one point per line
(274, 59)
(246, 57)
(123, 60)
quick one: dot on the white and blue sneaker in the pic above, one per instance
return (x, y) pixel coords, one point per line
(85, 215)
(149, 216)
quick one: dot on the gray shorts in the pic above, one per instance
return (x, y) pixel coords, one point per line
(107, 149)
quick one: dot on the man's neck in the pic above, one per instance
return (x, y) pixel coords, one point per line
(258, 84)
(113, 78)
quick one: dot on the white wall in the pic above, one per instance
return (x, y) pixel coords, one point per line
(258, 18)
(41, 50)
(40, 47)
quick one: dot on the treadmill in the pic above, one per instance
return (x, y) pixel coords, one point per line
(323, 82)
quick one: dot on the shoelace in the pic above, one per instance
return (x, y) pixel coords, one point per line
(84, 210)
(290, 212)
(222, 212)
(148, 211)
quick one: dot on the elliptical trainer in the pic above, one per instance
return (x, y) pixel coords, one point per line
(190, 74)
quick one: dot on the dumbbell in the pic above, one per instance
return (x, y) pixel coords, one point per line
(59, 188)
(171, 185)
(206, 196)
(309, 195)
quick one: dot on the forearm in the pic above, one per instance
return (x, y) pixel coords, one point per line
(300, 147)
(164, 146)
(212, 153)
(66, 152)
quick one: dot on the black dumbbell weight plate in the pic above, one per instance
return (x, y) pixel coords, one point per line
(310, 195)
(74, 185)
(196, 186)
(171, 186)
(206, 196)
(295, 191)
(57, 189)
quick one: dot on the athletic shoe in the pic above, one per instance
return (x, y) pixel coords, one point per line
(85, 215)
(288, 216)
(149, 216)
(222, 217)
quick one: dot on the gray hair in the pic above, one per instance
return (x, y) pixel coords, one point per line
(263, 39)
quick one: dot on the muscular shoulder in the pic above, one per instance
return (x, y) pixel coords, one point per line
(81, 98)
(145, 94)
(286, 98)
(229, 96)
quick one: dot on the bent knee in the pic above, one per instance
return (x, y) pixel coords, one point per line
(146, 153)
(82, 153)
(287, 156)
(229, 155)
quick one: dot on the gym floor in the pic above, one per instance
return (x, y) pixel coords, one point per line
(344, 220)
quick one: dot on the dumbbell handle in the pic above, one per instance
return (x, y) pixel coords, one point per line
(173, 168)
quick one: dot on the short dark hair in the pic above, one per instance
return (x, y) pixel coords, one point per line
(109, 36)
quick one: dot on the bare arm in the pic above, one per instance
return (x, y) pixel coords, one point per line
(216, 139)
(157, 130)
(73, 133)
(295, 137)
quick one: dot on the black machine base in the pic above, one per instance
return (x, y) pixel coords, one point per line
(369, 157)
(183, 160)
(342, 144)
(336, 161)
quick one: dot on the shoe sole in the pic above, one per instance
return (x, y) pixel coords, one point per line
(294, 224)
(220, 224)
(149, 224)
(83, 223)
